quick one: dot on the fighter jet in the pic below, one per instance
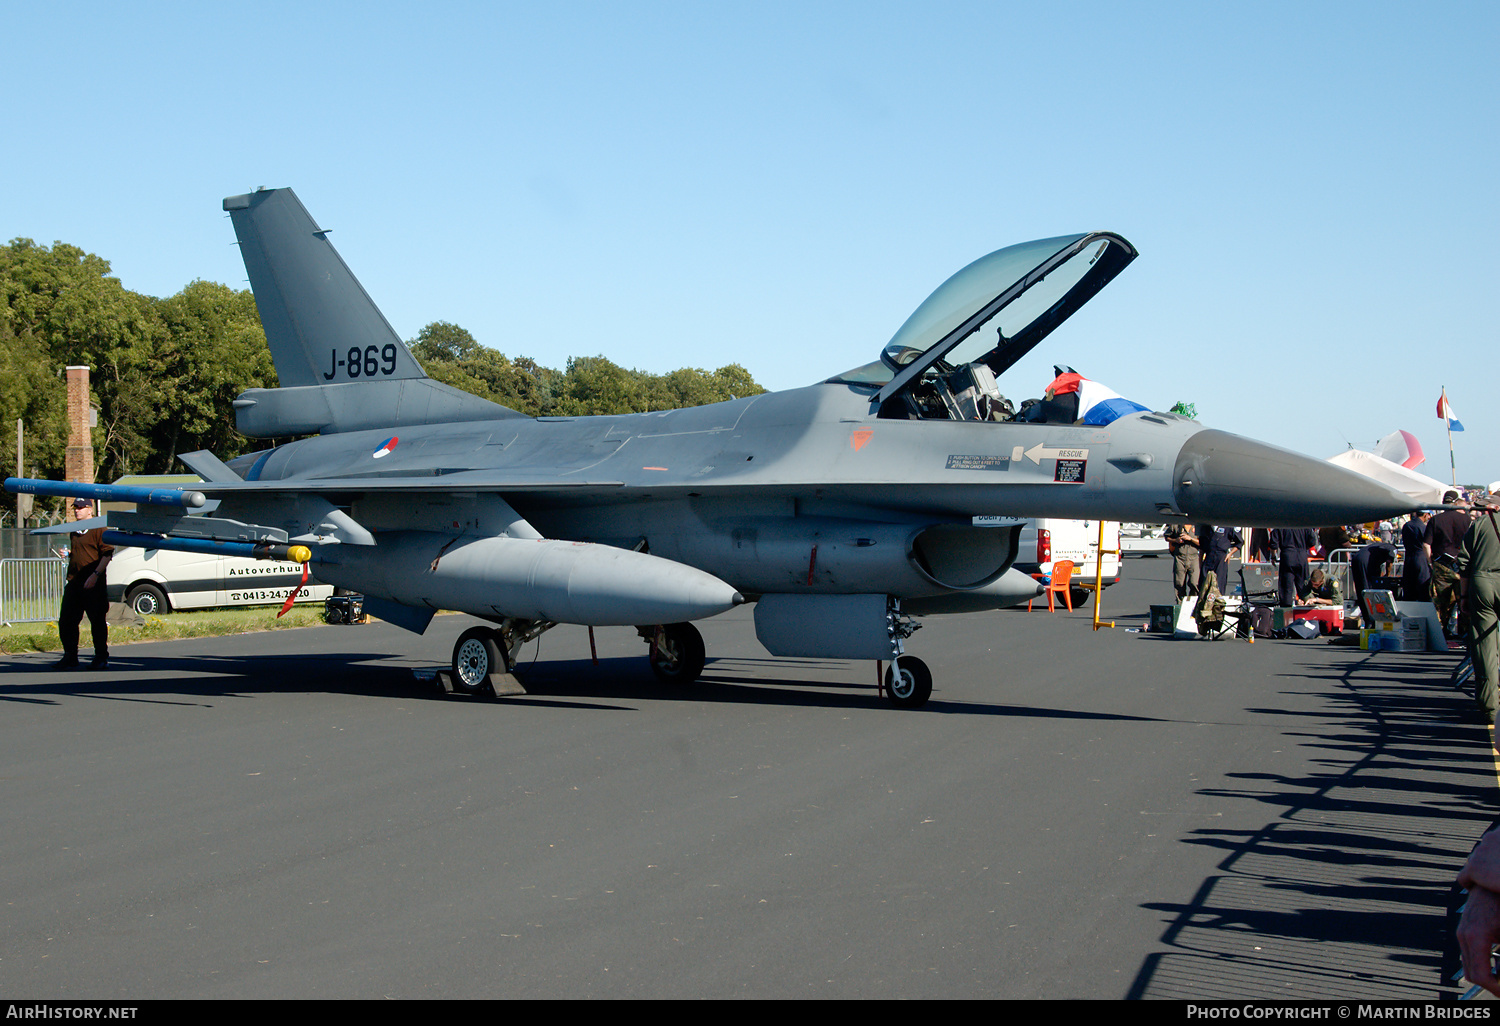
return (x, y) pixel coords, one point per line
(844, 510)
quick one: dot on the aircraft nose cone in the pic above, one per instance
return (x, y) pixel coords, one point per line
(1222, 478)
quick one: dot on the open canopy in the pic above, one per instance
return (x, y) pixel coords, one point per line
(998, 308)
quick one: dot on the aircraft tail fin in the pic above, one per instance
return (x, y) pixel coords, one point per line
(340, 364)
(321, 325)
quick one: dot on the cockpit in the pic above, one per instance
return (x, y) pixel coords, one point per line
(944, 362)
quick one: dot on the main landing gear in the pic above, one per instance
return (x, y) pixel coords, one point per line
(481, 657)
(480, 651)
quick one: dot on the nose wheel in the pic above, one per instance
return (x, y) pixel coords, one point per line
(908, 683)
(677, 654)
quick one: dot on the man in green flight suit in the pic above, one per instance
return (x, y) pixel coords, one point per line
(1322, 590)
(1479, 573)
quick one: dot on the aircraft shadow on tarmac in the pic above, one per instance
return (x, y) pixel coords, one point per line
(133, 676)
(1362, 856)
(618, 683)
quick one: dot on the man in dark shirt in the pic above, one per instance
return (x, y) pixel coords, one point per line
(84, 594)
(1260, 546)
(1289, 551)
(1416, 578)
(1219, 546)
(1445, 533)
(1332, 539)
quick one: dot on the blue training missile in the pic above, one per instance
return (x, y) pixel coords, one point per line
(251, 550)
(106, 493)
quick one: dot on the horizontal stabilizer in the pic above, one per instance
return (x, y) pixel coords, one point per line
(69, 526)
(207, 466)
(358, 406)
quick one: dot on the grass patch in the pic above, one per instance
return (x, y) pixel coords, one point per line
(205, 623)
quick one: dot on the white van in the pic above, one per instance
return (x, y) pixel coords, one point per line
(156, 581)
(1046, 541)
(1144, 540)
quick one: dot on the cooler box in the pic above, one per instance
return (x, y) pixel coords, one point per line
(1333, 616)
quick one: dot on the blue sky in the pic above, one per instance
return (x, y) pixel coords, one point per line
(1311, 185)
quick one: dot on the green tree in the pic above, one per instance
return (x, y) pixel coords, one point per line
(593, 385)
(446, 342)
(589, 385)
(62, 307)
(209, 349)
(163, 372)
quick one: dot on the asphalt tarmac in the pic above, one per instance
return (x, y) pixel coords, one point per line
(1074, 815)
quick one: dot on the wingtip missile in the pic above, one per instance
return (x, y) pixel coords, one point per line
(179, 497)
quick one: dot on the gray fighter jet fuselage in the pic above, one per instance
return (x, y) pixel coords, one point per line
(841, 509)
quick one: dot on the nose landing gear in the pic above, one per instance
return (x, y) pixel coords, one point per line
(908, 683)
(677, 654)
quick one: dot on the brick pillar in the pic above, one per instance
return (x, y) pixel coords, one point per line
(79, 464)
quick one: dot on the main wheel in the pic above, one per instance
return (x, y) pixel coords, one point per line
(147, 600)
(913, 687)
(478, 653)
(677, 653)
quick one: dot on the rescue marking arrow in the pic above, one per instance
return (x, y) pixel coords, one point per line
(1040, 452)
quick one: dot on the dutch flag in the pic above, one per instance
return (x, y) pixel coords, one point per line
(1445, 412)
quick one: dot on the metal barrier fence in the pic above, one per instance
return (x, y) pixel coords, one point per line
(31, 589)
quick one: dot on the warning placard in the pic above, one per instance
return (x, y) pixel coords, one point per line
(1070, 471)
(978, 462)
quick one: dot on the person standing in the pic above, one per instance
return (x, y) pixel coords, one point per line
(1290, 547)
(1182, 539)
(1220, 544)
(1478, 564)
(1416, 576)
(85, 594)
(1331, 539)
(1260, 546)
(1445, 532)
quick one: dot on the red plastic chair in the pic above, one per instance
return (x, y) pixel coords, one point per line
(1062, 583)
